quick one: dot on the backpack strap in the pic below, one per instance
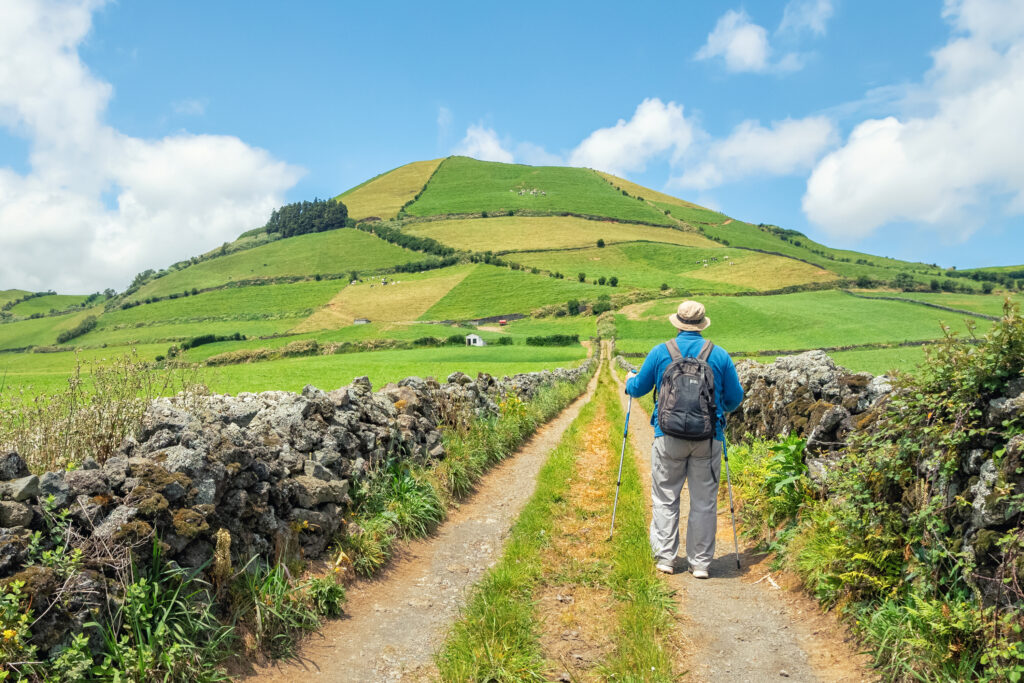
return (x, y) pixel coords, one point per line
(673, 349)
(705, 351)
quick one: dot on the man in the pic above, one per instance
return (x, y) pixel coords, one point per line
(675, 460)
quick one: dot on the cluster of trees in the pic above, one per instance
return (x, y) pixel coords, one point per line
(306, 217)
(610, 281)
(428, 264)
(32, 295)
(575, 307)
(204, 339)
(83, 327)
(395, 236)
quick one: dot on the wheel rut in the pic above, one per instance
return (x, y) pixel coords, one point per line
(395, 622)
(741, 627)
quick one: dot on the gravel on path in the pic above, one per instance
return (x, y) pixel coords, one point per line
(395, 622)
(741, 627)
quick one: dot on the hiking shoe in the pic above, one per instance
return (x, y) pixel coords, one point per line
(665, 568)
(700, 573)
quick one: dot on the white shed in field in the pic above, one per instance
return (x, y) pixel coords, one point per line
(474, 340)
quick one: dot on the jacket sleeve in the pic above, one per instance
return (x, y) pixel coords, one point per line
(644, 380)
(732, 390)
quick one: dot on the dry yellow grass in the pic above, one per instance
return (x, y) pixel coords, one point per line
(763, 272)
(406, 300)
(635, 190)
(515, 233)
(384, 196)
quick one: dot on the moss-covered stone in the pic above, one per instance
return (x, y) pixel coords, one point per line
(190, 523)
(133, 532)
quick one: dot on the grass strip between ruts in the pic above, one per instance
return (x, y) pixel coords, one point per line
(498, 635)
(646, 605)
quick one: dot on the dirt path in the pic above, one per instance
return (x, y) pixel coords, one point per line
(394, 623)
(742, 628)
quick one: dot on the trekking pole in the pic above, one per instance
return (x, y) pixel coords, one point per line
(732, 511)
(622, 455)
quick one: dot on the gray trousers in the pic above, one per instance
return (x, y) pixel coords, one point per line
(673, 462)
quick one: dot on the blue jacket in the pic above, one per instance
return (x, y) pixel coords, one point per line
(728, 392)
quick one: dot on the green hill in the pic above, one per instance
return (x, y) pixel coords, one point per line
(462, 240)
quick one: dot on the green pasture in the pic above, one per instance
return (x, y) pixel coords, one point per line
(648, 266)
(330, 372)
(333, 252)
(45, 304)
(233, 303)
(807, 320)
(490, 291)
(692, 214)
(463, 185)
(516, 233)
(48, 372)
(11, 294)
(987, 304)
(40, 331)
(173, 333)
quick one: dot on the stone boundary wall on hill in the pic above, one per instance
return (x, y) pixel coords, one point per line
(274, 469)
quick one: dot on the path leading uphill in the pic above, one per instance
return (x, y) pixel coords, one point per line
(395, 622)
(741, 626)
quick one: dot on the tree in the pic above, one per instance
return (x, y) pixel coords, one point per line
(353, 276)
(614, 281)
(863, 282)
(601, 280)
(664, 286)
(600, 244)
(573, 306)
(582, 277)
(935, 285)
(987, 287)
(904, 281)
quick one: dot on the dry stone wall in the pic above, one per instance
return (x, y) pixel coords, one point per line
(272, 469)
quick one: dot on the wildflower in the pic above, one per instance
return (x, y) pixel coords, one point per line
(9, 633)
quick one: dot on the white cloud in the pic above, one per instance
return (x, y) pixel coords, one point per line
(742, 43)
(172, 198)
(744, 46)
(786, 147)
(948, 167)
(483, 144)
(189, 107)
(809, 15)
(655, 129)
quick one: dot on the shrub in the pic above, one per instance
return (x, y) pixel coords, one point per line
(601, 280)
(987, 287)
(83, 327)
(573, 307)
(664, 286)
(613, 281)
(505, 341)
(600, 244)
(554, 340)
(864, 282)
(582, 277)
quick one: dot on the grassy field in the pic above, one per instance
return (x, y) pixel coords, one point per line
(45, 304)
(335, 252)
(329, 372)
(692, 214)
(646, 193)
(989, 304)
(41, 331)
(515, 233)
(488, 291)
(463, 185)
(647, 265)
(408, 298)
(384, 195)
(793, 321)
(10, 295)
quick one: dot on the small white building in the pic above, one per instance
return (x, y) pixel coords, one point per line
(361, 321)
(474, 340)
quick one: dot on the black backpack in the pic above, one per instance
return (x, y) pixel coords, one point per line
(687, 407)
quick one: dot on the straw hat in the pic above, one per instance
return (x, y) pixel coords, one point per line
(690, 317)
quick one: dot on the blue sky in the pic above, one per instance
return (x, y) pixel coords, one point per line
(134, 134)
